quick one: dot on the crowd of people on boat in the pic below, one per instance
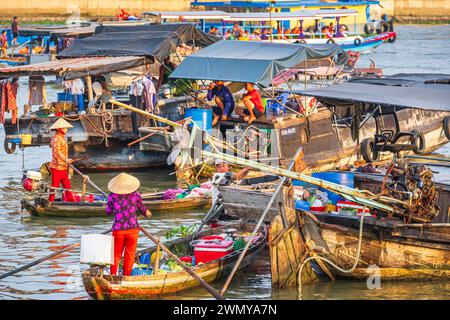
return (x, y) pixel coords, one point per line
(237, 32)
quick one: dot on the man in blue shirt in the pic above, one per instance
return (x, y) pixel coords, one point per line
(223, 99)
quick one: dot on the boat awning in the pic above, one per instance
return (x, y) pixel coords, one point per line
(330, 13)
(63, 30)
(422, 97)
(75, 68)
(189, 15)
(275, 16)
(249, 61)
(157, 42)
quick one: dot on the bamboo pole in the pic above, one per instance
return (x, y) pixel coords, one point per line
(202, 282)
(260, 222)
(88, 180)
(145, 113)
(361, 196)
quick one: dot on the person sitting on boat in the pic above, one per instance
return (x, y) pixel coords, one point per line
(60, 160)
(295, 31)
(223, 99)
(254, 108)
(327, 32)
(214, 31)
(124, 203)
(228, 35)
(223, 177)
(237, 30)
(343, 31)
(256, 35)
(265, 34)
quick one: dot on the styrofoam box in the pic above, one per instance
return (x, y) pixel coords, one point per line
(97, 249)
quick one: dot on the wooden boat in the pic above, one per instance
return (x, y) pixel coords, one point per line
(154, 202)
(101, 287)
(389, 249)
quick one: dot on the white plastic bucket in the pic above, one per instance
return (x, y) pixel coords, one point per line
(97, 249)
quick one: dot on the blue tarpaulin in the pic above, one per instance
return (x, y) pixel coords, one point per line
(247, 61)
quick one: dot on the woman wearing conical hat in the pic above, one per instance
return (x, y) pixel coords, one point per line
(60, 159)
(125, 203)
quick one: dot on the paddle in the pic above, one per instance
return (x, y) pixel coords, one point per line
(57, 253)
(202, 282)
(258, 225)
(88, 180)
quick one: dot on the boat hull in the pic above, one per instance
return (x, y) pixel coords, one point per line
(391, 255)
(147, 287)
(88, 210)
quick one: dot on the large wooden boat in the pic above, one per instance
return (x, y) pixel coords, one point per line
(155, 203)
(101, 287)
(390, 250)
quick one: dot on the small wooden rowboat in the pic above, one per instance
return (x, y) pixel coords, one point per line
(100, 286)
(154, 202)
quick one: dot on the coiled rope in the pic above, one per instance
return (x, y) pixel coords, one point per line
(358, 253)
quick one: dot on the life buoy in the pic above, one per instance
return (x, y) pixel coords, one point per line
(302, 41)
(392, 38)
(329, 41)
(9, 146)
(369, 28)
(357, 41)
(383, 27)
(367, 150)
(420, 142)
(446, 127)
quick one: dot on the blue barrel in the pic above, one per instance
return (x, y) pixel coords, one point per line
(346, 179)
(64, 96)
(202, 117)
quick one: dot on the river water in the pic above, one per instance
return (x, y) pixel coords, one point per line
(24, 238)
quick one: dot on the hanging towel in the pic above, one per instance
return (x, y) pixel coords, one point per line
(149, 94)
(36, 91)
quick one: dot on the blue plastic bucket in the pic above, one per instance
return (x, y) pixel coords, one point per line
(202, 117)
(64, 96)
(346, 179)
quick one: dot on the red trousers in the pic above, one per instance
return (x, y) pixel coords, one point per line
(58, 177)
(124, 239)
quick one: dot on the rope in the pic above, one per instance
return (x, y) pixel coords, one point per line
(358, 253)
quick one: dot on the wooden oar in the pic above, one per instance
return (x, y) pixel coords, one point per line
(88, 180)
(57, 253)
(202, 282)
(258, 225)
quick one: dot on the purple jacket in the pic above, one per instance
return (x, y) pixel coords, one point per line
(125, 208)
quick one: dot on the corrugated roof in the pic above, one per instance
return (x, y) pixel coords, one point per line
(75, 67)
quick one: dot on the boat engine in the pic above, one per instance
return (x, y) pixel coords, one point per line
(32, 181)
(413, 183)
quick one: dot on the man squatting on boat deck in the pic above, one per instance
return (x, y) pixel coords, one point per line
(254, 108)
(223, 99)
(253, 105)
(60, 160)
(124, 203)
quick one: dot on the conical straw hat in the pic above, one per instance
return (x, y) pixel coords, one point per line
(60, 124)
(124, 183)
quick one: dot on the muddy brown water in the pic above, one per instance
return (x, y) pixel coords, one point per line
(24, 238)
